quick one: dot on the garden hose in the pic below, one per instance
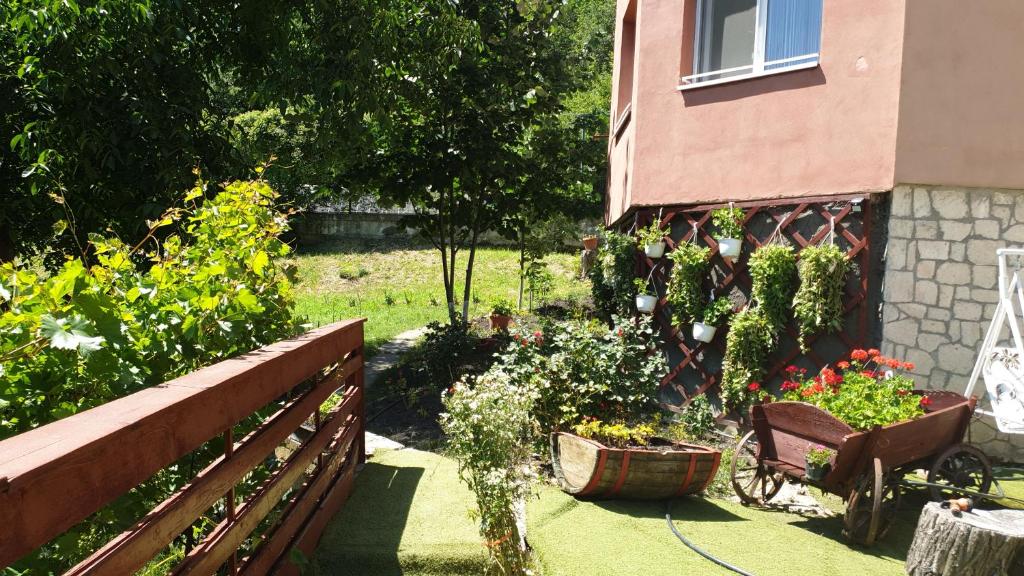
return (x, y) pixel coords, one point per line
(694, 547)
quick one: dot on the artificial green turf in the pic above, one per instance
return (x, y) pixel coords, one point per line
(574, 538)
(408, 515)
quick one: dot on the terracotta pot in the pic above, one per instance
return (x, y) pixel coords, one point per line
(655, 250)
(704, 332)
(590, 242)
(645, 303)
(500, 322)
(730, 247)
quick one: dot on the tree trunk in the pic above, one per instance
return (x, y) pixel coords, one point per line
(522, 263)
(978, 543)
(467, 289)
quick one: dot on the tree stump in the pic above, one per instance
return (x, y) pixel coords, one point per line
(977, 543)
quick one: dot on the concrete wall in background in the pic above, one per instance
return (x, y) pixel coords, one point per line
(940, 288)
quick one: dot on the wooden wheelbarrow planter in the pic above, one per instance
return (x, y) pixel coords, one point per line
(869, 467)
(588, 469)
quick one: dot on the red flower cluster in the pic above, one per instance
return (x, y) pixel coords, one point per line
(859, 355)
(790, 385)
(925, 401)
(754, 386)
(831, 378)
(791, 370)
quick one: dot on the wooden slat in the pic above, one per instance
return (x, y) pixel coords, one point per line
(208, 556)
(299, 509)
(59, 474)
(134, 548)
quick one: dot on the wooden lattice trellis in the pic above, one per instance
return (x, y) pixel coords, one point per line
(694, 366)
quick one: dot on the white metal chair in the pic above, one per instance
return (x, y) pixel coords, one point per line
(1003, 366)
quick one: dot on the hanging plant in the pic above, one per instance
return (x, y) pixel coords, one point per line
(773, 271)
(611, 277)
(712, 316)
(685, 292)
(818, 305)
(652, 239)
(728, 230)
(750, 341)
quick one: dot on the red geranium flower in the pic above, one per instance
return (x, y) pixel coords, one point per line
(873, 352)
(843, 365)
(790, 385)
(894, 363)
(806, 392)
(925, 401)
(754, 386)
(791, 369)
(909, 366)
(869, 373)
(859, 355)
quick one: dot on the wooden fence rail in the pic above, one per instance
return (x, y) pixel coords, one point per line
(55, 476)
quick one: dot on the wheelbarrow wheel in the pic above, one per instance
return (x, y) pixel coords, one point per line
(960, 466)
(753, 482)
(871, 507)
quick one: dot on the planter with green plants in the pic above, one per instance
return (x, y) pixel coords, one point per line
(685, 290)
(818, 304)
(773, 273)
(819, 462)
(645, 302)
(714, 315)
(729, 231)
(652, 239)
(501, 315)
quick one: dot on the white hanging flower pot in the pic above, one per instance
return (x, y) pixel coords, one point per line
(704, 332)
(655, 250)
(645, 303)
(730, 247)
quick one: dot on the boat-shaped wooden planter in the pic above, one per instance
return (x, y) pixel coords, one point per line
(665, 469)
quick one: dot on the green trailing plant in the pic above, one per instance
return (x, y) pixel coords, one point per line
(728, 222)
(818, 304)
(611, 276)
(651, 234)
(488, 424)
(717, 311)
(685, 291)
(773, 272)
(750, 341)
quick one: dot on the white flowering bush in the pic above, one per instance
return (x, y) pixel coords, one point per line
(488, 423)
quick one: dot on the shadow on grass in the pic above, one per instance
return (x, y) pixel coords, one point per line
(364, 538)
(689, 508)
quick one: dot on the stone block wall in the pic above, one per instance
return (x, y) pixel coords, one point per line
(940, 287)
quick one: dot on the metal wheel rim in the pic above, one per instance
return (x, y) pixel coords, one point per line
(961, 466)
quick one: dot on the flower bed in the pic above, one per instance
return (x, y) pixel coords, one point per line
(866, 391)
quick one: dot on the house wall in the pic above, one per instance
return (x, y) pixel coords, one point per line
(827, 130)
(960, 107)
(940, 289)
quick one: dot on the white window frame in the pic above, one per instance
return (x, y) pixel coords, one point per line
(758, 68)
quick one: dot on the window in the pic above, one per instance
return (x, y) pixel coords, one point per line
(742, 38)
(627, 67)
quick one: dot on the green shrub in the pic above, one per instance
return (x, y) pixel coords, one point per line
(87, 335)
(773, 274)
(488, 424)
(696, 421)
(503, 307)
(717, 311)
(685, 291)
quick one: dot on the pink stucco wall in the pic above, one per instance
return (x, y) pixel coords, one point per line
(830, 129)
(961, 110)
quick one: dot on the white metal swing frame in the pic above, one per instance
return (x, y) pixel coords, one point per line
(1008, 313)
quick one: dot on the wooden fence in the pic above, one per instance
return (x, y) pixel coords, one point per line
(55, 476)
(695, 367)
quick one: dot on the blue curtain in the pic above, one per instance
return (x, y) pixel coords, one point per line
(793, 29)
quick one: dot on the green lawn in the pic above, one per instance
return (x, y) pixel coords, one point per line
(355, 278)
